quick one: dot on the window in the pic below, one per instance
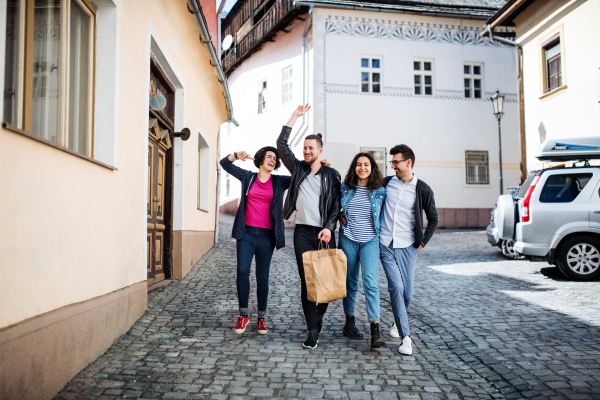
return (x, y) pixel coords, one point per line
(378, 154)
(552, 57)
(563, 188)
(203, 171)
(477, 167)
(48, 78)
(227, 184)
(370, 74)
(423, 71)
(287, 85)
(472, 81)
(262, 96)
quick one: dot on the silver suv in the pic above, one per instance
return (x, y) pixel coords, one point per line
(556, 214)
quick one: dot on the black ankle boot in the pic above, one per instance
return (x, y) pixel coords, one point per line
(376, 339)
(350, 328)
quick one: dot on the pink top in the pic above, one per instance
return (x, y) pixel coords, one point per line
(258, 206)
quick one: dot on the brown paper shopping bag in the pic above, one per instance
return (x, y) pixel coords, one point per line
(325, 274)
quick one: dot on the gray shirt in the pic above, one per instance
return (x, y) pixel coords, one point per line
(307, 203)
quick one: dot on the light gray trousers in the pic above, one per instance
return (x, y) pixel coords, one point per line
(399, 266)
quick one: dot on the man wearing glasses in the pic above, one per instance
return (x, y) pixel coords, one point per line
(402, 236)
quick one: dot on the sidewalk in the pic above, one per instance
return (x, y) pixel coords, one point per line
(470, 339)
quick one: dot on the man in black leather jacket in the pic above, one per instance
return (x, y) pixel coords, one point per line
(314, 194)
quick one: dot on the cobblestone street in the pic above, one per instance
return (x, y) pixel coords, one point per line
(483, 327)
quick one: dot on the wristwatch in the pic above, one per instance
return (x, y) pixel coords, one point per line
(235, 155)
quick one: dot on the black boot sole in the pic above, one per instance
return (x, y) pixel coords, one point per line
(351, 336)
(378, 343)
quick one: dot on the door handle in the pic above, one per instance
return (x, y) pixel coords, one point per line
(596, 211)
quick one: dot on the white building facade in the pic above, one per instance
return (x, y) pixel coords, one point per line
(561, 79)
(378, 79)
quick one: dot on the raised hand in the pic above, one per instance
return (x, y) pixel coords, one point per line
(326, 163)
(301, 110)
(243, 156)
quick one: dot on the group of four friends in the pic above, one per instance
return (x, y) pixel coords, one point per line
(381, 219)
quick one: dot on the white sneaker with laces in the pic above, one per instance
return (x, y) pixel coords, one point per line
(394, 332)
(406, 346)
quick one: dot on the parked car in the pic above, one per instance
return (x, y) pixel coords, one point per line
(556, 214)
(507, 246)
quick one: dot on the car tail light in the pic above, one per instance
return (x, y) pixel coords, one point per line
(525, 214)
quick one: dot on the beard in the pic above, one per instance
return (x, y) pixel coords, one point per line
(312, 160)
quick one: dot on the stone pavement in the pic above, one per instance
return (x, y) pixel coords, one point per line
(482, 326)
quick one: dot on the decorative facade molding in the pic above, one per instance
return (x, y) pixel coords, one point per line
(495, 165)
(438, 164)
(402, 30)
(440, 94)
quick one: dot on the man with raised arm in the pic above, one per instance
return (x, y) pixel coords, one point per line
(314, 194)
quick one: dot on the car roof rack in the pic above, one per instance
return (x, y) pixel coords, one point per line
(571, 149)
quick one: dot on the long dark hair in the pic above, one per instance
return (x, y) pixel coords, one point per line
(375, 180)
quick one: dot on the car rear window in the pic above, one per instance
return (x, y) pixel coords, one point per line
(563, 188)
(525, 186)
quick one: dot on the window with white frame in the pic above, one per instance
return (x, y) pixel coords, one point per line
(552, 63)
(472, 80)
(370, 74)
(477, 163)
(227, 184)
(262, 96)
(287, 85)
(49, 70)
(203, 172)
(423, 77)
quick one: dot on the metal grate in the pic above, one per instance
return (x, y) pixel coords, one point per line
(378, 154)
(477, 163)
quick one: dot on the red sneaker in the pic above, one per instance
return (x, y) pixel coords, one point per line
(241, 324)
(261, 327)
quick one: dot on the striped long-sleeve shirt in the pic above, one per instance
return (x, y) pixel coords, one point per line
(360, 227)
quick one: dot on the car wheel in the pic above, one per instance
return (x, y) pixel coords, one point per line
(508, 249)
(578, 258)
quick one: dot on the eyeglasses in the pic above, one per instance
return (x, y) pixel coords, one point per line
(393, 163)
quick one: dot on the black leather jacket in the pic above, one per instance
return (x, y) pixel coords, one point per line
(330, 200)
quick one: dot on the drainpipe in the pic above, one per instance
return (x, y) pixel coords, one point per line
(219, 40)
(304, 80)
(195, 8)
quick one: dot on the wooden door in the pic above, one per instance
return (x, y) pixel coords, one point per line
(158, 201)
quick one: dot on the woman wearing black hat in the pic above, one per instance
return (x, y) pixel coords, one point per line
(258, 227)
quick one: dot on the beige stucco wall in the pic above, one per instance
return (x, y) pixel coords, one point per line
(73, 230)
(575, 111)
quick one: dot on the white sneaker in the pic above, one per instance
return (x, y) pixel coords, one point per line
(406, 346)
(394, 332)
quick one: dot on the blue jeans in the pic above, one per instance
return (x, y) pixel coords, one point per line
(259, 242)
(399, 266)
(365, 255)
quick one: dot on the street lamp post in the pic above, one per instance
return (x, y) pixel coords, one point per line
(498, 103)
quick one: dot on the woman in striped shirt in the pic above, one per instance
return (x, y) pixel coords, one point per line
(363, 195)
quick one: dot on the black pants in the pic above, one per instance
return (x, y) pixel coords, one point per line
(306, 239)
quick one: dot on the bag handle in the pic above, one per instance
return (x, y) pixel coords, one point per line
(323, 247)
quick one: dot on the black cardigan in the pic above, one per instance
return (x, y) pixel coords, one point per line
(423, 201)
(280, 185)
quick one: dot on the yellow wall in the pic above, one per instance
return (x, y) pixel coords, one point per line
(73, 230)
